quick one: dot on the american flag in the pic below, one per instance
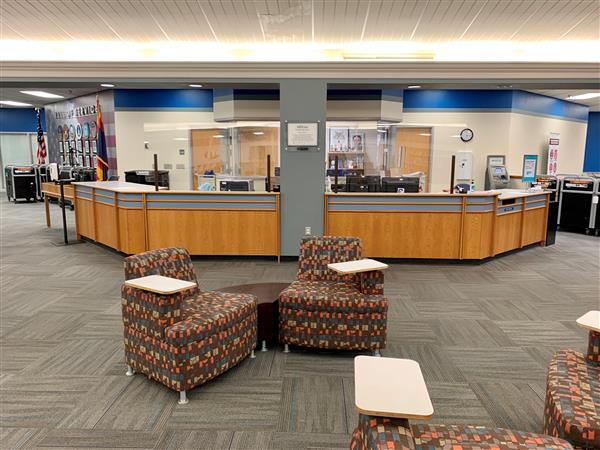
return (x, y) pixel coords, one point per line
(41, 149)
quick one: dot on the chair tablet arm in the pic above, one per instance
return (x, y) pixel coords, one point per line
(150, 312)
(371, 283)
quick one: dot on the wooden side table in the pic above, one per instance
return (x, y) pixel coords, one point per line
(268, 308)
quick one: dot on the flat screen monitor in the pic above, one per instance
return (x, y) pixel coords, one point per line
(400, 184)
(362, 184)
(234, 185)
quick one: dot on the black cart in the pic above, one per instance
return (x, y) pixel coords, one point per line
(578, 203)
(21, 183)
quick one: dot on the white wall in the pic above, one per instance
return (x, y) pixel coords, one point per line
(166, 132)
(498, 133)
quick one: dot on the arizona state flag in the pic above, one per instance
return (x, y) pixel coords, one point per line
(101, 154)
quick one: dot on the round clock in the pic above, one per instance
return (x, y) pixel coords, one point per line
(466, 135)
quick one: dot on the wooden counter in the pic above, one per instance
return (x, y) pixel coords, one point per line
(51, 189)
(438, 226)
(132, 218)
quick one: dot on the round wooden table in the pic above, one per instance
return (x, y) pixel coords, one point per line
(268, 308)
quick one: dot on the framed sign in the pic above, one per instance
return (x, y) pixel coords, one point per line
(529, 168)
(302, 135)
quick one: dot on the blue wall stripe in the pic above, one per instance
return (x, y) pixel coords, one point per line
(388, 207)
(354, 94)
(201, 206)
(20, 120)
(395, 198)
(591, 162)
(472, 100)
(179, 99)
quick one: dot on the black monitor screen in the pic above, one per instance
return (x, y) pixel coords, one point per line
(404, 184)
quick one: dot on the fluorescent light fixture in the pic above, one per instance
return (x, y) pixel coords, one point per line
(218, 136)
(13, 103)
(584, 96)
(180, 139)
(107, 85)
(258, 133)
(424, 134)
(42, 94)
(414, 86)
(195, 85)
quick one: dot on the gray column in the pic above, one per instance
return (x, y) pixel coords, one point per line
(302, 172)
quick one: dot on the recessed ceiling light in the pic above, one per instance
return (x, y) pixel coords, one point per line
(42, 94)
(415, 86)
(584, 96)
(13, 103)
(195, 85)
(218, 136)
(258, 133)
(107, 85)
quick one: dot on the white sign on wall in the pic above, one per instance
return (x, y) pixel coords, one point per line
(303, 134)
(464, 165)
(553, 146)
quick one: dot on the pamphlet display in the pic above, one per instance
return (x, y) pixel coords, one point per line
(553, 146)
(529, 168)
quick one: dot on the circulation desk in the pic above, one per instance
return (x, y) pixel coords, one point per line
(133, 218)
(439, 226)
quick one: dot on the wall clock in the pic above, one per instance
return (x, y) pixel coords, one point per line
(466, 135)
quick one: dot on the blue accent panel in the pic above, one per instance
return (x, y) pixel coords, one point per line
(20, 120)
(395, 198)
(222, 95)
(388, 207)
(529, 102)
(106, 201)
(480, 199)
(151, 99)
(453, 99)
(508, 209)
(535, 198)
(480, 208)
(136, 205)
(85, 195)
(123, 196)
(534, 205)
(201, 206)
(204, 197)
(354, 94)
(591, 162)
(397, 93)
(256, 94)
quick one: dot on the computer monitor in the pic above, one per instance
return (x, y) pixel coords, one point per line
(400, 184)
(234, 185)
(362, 184)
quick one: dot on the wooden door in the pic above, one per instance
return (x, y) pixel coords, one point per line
(413, 148)
(207, 151)
(255, 144)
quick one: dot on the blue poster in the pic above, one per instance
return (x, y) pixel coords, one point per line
(529, 168)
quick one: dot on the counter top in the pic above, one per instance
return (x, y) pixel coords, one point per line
(502, 194)
(124, 187)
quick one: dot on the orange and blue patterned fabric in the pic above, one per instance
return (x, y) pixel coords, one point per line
(183, 340)
(383, 433)
(324, 309)
(572, 409)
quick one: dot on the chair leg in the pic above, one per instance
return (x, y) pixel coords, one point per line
(264, 346)
(252, 355)
(182, 398)
(377, 353)
(286, 348)
(129, 372)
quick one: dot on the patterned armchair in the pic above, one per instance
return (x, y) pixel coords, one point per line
(572, 409)
(184, 339)
(324, 309)
(383, 433)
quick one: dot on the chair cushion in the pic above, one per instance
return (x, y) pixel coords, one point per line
(207, 314)
(331, 296)
(572, 407)
(474, 437)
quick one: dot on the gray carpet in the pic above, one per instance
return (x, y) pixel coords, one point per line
(483, 335)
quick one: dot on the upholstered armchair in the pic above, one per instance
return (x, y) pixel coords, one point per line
(324, 309)
(385, 433)
(572, 407)
(183, 340)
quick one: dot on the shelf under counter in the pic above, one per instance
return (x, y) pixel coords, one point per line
(437, 225)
